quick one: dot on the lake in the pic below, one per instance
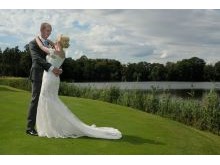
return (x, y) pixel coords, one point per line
(182, 89)
(149, 84)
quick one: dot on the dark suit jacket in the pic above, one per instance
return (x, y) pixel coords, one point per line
(39, 63)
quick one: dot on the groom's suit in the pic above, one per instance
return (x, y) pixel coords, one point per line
(39, 64)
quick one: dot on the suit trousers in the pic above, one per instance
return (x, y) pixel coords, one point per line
(32, 112)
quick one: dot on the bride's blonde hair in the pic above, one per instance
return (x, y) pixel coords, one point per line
(63, 40)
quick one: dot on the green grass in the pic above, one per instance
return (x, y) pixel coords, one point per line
(203, 113)
(143, 133)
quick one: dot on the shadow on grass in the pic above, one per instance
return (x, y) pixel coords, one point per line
(130, 139)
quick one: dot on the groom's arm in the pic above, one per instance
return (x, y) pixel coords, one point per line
(35, 57)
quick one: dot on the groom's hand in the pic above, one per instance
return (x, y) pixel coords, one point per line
(57, 71)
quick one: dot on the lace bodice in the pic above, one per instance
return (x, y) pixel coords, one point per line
(54, 59)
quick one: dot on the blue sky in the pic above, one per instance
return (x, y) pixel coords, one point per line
(124, 35)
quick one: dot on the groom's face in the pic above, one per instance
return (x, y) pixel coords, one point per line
(45, 33)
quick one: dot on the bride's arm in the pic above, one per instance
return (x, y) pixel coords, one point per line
(44, 48)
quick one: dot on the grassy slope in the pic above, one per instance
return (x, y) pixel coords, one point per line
(143, 133)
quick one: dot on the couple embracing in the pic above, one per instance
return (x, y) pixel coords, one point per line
(47, 112)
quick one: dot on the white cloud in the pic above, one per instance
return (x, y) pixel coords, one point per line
(164, 54)
(125, 35)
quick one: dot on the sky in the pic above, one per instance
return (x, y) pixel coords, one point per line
(125, 35)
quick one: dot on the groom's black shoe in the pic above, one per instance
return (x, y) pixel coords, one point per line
(32, 132)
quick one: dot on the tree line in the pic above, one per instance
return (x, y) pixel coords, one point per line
(17, 63)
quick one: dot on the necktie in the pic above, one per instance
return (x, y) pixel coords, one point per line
(46, 43)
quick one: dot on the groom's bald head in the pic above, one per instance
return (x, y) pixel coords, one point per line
(45, 29)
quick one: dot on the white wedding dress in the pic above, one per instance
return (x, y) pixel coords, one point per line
(54, 119)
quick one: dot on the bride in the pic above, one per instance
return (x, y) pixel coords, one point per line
(54, 119)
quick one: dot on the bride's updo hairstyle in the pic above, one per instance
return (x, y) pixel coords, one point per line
(63, 40)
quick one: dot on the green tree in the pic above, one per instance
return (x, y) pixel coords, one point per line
(25, 62)
(1, 64)
(209, 73)
(172, 72)
(217, 71)
(68, 70)
(158, 72)
(130, 72)
(190, 69)
(143, 71)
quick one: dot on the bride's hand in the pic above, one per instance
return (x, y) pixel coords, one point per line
(61, 71)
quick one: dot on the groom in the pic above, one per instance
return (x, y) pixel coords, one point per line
(39, 64)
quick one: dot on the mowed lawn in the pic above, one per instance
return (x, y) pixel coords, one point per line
(143, 133)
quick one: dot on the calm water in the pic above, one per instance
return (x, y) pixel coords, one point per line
(182, 89)
(150, 84)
